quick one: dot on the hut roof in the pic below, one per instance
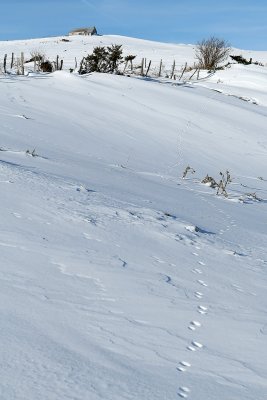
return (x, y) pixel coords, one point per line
(90, 29)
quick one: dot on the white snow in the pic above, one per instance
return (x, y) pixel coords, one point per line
(102, 241)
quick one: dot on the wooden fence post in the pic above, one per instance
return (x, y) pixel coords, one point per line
(12, 61)
(22, 63)
(193, 74)
(5, 63)
(183, 71)
(149, 65)
(126, 63)
(173, 68)
(160, 68)
(142, 67)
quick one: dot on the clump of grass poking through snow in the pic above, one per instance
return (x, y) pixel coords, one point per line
(221, 185)
(187, 171)
(31, 153)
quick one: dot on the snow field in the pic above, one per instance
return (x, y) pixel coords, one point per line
(119, 279)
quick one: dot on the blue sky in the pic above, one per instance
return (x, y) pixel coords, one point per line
(242, 22)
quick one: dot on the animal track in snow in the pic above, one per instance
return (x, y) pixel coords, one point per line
(202, 283)
(181, 369)
(202, 310)
(157, 259)
(183, 366)
(191, 328)
(184, 389)
(17, 215)
(199, 295)
(191, 348)
(197, 271)
(183, 392)
(89, 237)
(197, 345)
(201, 263)
(183, 395)
(194, 324)
(238, 288)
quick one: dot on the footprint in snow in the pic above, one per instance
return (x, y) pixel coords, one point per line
(89, 237)
(201, 263)
(17, 215)
(202, 310)
(194, 325)
(197, 271)
(202, 283)
(181, 369)
(158, 260)
(238, 288)
(191, 348)
(183, 395)
(195, 346)
(199, 295)
(183, 366)
(183, 392)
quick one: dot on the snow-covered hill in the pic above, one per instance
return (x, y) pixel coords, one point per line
(119, 279)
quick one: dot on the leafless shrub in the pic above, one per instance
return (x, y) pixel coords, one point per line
(211, 52)
(250, 196)
(208, 180)
(37, 55)
(253, 196)
(187, 171)
(31, 153)
(221, 185)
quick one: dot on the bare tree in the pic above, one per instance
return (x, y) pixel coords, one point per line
(211, 52)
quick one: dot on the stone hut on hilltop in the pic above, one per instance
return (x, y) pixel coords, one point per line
(84, 31)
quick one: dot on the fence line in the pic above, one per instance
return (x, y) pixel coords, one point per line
(154, 68)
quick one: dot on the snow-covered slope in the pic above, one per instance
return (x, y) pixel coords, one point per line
(119, 279)
(76, 46)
